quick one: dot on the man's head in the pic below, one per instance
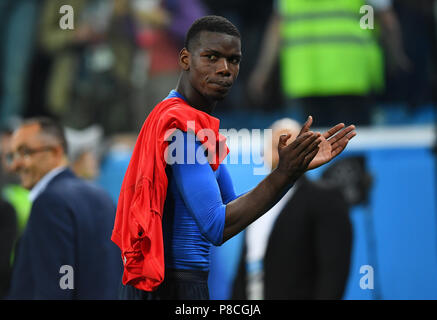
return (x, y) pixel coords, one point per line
(211, 58)
(212, 24)
(280, 127)
(37, 146)
(84, 147)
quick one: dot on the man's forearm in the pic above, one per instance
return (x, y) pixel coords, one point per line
(244, 210)
(294, 159)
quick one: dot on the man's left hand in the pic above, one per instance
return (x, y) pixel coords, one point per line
(334, 141)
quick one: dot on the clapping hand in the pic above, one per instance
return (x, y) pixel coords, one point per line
(295, 157)
(311, 150)
(333, 142)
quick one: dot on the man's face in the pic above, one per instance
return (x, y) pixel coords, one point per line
(86, 166)
(214, 64)
(34, 154)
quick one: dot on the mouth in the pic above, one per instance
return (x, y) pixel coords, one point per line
(222, 84)
(23, 173)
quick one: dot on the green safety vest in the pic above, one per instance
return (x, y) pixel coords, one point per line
(324, 51)
(18, 197)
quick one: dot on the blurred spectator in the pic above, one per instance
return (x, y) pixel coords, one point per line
(8, 233)
(84, 149)
(329, 66)
(396, 58)
(11, 191)
(414, 86)
(91, 66)
(300, 249)
(162, 25)
(350, 175)
(17, 33)
(69, 225)
(14, 211)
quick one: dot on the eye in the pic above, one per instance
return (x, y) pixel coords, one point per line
(212, 57)
(235, 60)
(24, 151)
(27, 152)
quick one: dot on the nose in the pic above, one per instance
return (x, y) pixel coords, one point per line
(223, 68)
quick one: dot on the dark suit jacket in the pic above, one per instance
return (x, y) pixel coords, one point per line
(70, 224)
(309, 248)
(8, 234)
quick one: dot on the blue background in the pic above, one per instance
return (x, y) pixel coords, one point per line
(395, 234)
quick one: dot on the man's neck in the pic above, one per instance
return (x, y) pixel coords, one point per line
(193, 97)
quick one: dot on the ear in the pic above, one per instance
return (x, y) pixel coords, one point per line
(184, 59)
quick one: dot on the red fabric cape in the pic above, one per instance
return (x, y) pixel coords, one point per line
(138, 222)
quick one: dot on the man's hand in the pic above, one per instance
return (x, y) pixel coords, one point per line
(334, 141)
(295, 158)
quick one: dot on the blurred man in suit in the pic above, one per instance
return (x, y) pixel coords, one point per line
(301, 248)
(65, 251)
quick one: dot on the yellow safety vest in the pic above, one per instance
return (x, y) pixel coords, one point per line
(18, 197)
(324, 51)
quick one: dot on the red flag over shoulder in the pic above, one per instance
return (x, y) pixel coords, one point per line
(138, 222)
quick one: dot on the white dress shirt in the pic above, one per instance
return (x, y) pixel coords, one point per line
(257, 237)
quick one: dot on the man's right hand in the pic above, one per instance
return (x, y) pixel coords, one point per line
(295, 157)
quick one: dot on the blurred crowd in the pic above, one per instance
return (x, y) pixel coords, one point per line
(109, 70)
(102, 78)
(121, 59)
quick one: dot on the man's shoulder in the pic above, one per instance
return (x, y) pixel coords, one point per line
(75, 196)
(324, 196)
(64, 183)
(171, 106)
(314, 195)
(320, 188)
(46, 205)
(67, 186)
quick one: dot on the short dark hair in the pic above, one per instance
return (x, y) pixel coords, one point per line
(212, 24)
(49, 127)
